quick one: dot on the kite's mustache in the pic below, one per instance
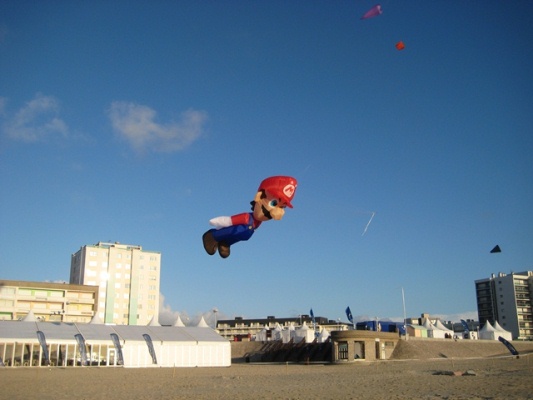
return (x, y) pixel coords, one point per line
(266, 212)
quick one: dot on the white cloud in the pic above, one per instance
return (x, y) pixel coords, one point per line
(137, 124)
(36, 120)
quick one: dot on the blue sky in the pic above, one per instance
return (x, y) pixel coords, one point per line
(138, 122)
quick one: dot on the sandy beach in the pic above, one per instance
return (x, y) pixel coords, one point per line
(493, 378)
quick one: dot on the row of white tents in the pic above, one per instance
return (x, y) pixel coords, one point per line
(32, 342)
(488, 332)
(294, 334)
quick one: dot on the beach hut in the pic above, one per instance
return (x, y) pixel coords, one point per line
(417, 331)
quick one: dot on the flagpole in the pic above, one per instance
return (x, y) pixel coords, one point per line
(404, 314)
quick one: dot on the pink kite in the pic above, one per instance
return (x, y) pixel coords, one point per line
(373, 12)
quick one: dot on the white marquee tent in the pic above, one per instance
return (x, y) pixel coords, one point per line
(433, 331)
(304, 333)
(489, 332)
(502, 332)
(135, 346)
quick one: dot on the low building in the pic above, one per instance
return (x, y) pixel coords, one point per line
(353, 345)
(60, 302)
(248, 329)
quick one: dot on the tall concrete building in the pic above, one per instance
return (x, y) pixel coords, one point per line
(507, 299)
(128, 278)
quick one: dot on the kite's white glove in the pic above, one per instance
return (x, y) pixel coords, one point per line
(220, 222)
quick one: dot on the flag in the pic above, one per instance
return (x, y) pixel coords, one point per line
(349, 314)
(151, 349)
(465, 326)
(83, 349)
(118, 348)
(509, 346)
(312, 315)
(42, 341)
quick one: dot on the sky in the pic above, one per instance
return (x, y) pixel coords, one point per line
(139, 121)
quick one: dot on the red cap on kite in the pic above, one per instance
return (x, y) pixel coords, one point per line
(282, 187)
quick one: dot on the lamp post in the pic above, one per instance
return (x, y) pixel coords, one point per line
(404, 314)
(215, 310)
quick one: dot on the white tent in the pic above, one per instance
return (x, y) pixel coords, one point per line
(276, 332)
(433, 331)
(288, 333)
(324, 335)
(502, 332)
(488, 332)
(261, 336)
(140, 346)
(304, 333)
(441, 326)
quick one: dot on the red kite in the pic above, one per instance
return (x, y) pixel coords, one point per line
(400, 45)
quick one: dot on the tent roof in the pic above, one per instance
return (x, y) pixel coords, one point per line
(428, 325)
(62, 331)
(498, 327)
(30, 317)
(487, 328)
(441, 326)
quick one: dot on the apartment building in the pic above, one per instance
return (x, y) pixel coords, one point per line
(59, 302)
(508, 300)
(128, 278)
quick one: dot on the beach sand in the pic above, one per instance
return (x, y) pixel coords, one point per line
(495, 378)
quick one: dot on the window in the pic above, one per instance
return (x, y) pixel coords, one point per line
(119, 255)
(93, 253)
(7, 291)
(343, 351)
